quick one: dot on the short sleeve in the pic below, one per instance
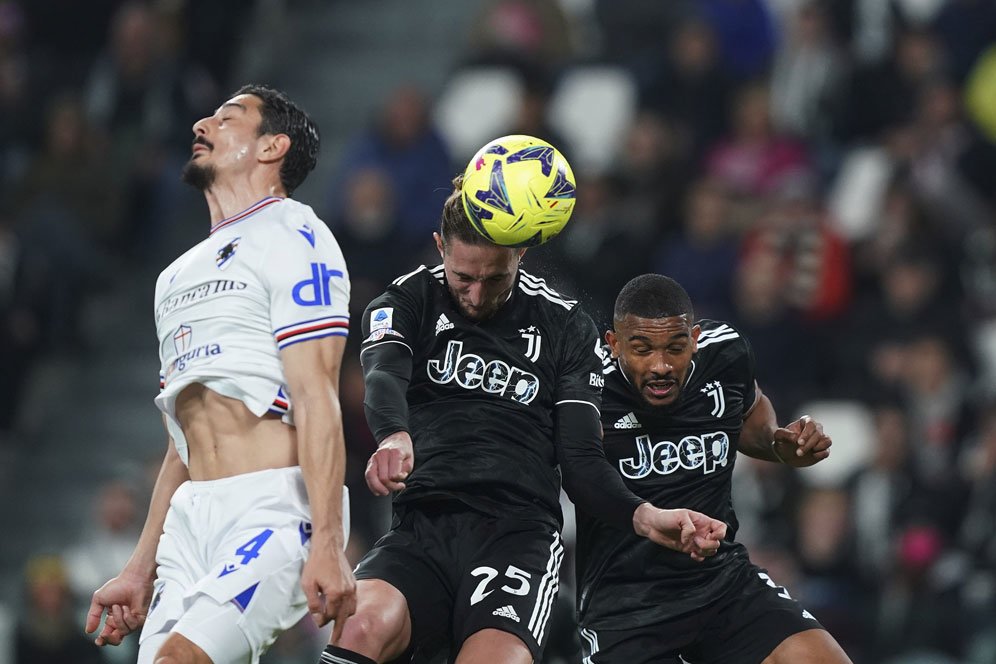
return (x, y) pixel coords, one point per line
(391, 318)
(308, 287)
(581, 376)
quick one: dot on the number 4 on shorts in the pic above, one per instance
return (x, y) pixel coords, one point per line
(250, 550)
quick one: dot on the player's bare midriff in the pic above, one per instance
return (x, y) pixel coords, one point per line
(224, 438)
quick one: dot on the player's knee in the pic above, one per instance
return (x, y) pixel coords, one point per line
(368, 631)
(180, 650)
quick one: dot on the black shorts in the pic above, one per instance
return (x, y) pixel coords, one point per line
(743, 627)
(462, 571)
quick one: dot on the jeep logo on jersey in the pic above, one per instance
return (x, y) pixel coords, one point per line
(315, 291)
(471, 372)
(705, 452)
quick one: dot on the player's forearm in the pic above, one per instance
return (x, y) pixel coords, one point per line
(172, 474)
(758, 431)
(322, 457)
(590, 481)
(387, 370)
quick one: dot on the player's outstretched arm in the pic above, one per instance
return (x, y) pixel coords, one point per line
(799, 444)
(683, 530)
(126, 597)
(312, 371)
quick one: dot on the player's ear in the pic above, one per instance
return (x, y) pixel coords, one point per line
(610, 338)
(274, 147)
(696, 331)
(439, 244)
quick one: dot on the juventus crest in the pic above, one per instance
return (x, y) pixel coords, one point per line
(533, 342)
(715, 390)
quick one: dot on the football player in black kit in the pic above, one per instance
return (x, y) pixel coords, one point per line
(679, 402)
(479, 380)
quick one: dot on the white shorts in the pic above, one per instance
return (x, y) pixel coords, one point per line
(238, 542)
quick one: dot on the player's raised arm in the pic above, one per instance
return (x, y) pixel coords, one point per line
(799, 444)
(126, 597)
(312, 370)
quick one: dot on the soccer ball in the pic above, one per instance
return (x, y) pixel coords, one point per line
(518, 191)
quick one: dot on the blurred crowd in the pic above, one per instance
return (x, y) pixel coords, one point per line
(821, 174)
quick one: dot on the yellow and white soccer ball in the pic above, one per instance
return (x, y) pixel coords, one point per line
(518, 191)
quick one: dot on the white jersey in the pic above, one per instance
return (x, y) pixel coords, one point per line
(269, 277)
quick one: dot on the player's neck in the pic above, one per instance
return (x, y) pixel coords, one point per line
(227, 199)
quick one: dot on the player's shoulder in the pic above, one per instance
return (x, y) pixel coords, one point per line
(420, 277)
(720, 343)
(536, 290)
(291, 218)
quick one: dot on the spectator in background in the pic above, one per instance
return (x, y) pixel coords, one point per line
(103, 549)
(691, 88)
(17, 100)
(746, 34)
(882, 95)
(531, 33)
(71, 172)
(808, 73)
(145, 101)
(48, 630)
(754, 160)
(404, 145)
(704, 254)
(19, 326)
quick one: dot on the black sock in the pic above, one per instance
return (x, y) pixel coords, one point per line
(336, 655)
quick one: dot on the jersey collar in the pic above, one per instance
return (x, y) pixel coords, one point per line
(245, 214)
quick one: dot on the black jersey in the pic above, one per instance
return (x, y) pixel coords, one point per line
(681, 456)
(482, 395)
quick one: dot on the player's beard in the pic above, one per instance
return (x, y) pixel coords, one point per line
(199, 177)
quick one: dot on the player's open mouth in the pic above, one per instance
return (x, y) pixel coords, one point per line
(660, 389)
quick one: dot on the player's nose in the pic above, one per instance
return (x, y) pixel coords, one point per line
(200, 127)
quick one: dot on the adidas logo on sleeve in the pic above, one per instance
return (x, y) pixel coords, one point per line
(506, 612)
(627, 421)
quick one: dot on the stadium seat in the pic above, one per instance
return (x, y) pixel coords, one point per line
(593, 107)
(852, 428)
(475, 106)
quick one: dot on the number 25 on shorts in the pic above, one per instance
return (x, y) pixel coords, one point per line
(513, 573)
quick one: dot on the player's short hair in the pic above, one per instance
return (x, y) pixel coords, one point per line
(282, 116)
(653, 296)
(455, 225)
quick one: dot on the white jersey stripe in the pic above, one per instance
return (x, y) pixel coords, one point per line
(387, 341)
(540, 284)
(714, 340)
(591, 639)
(551, 598)
(405, 277)
(722, 329)
(552, 571)
(587, 403)
(566, 304)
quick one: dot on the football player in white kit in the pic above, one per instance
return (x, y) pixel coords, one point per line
(248, 518)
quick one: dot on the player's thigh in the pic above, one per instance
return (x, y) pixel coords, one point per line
(402, 561)
(641, 645)
(492, 645)
(814, 646)
(510, 584)
(752, 622)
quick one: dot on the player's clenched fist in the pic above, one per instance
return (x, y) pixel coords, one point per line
(390, 464)
(683, 530)
(801, 443)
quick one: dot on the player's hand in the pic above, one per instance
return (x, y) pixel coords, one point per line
(802, 443)
(126, 599)
(390, 464)
(329, 586)
(682, 530)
